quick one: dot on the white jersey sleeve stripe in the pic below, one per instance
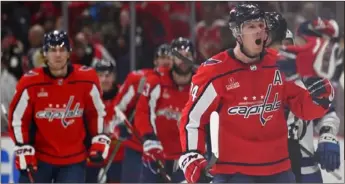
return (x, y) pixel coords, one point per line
(18, 115)
(126, 99)
(154, 96)
(99, 106)
(199, 109)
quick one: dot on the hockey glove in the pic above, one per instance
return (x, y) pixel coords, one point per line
(118, 129)
(153, 155)
(287, 64)
(25, 158)
(193, 166)
(320, 90)
(99, 148)
(328, 152)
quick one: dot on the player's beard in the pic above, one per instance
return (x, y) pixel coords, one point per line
(180, 71)
(57, 70)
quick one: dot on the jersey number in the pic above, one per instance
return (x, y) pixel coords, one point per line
(194, 91)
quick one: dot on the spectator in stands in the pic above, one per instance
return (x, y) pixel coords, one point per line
(7, 88)
(208, 37)
(12, 51)
(34, 55)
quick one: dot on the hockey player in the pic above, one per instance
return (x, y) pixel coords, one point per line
(126, 101)
(158, 115)
(106, 71)
(52, 111)
(249, 92)
(314, 56)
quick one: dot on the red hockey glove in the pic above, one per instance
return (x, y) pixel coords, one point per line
(193, 165)
(153, 154)
(320, 90)
(25, 157)
(100, 148)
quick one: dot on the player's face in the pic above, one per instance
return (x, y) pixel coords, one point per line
(181, 65)
(107, 79)
(254, 34)
(165, 61)
(57, 57)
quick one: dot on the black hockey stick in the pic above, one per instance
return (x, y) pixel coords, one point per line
(161, 167)
(102, 172)
(334, 173)
(214, 132)
(183, 58)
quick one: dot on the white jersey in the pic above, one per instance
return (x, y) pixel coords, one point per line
(304, 132)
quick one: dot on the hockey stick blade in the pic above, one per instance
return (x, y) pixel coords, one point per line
(214, 131)
(334, 173)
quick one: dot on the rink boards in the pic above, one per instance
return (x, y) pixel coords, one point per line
(10, 175)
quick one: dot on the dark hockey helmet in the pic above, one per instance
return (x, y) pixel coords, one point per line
(183, 44)
(56, 38)
(244, 12)
(276, 25)
(163, 50)
(105, 66)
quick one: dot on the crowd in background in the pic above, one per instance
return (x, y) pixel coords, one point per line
(101, 30)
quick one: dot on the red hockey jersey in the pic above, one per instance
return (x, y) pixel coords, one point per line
(52, 113)
(108, 100)
(158, 111)
(127, 98)
(318, 57)
(250, 100)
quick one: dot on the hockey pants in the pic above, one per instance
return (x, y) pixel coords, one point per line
(113, 174)
(149, 175)
(283, 177)
(131, 166)
(48, 173)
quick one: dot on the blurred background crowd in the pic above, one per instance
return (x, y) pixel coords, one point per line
(128, 32)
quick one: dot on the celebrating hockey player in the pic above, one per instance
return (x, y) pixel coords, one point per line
(158, 115)
(126, 101)
(321, 48)
(249, 93)
(106, 71)
(53, 110)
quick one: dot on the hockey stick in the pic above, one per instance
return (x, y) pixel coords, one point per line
(103, 171)
(162, 171)
(334, 173)
(183, 58)
(29, 169)
(102, 177)
(214, 131)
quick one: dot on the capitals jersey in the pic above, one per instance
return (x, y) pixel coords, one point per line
(127, 98)
(55, 114)
(250, 100)
(108, 100)
(159, 111)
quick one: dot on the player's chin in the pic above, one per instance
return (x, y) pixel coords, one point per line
(57, 65)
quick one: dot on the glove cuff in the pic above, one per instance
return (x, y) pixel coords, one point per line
(152, 144)
(328, 137)
(101, 138)
(25, 149)
(189, 158)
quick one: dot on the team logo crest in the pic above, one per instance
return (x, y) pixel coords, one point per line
(65, 114)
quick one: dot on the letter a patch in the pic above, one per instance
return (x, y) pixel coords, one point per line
(277, 78)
